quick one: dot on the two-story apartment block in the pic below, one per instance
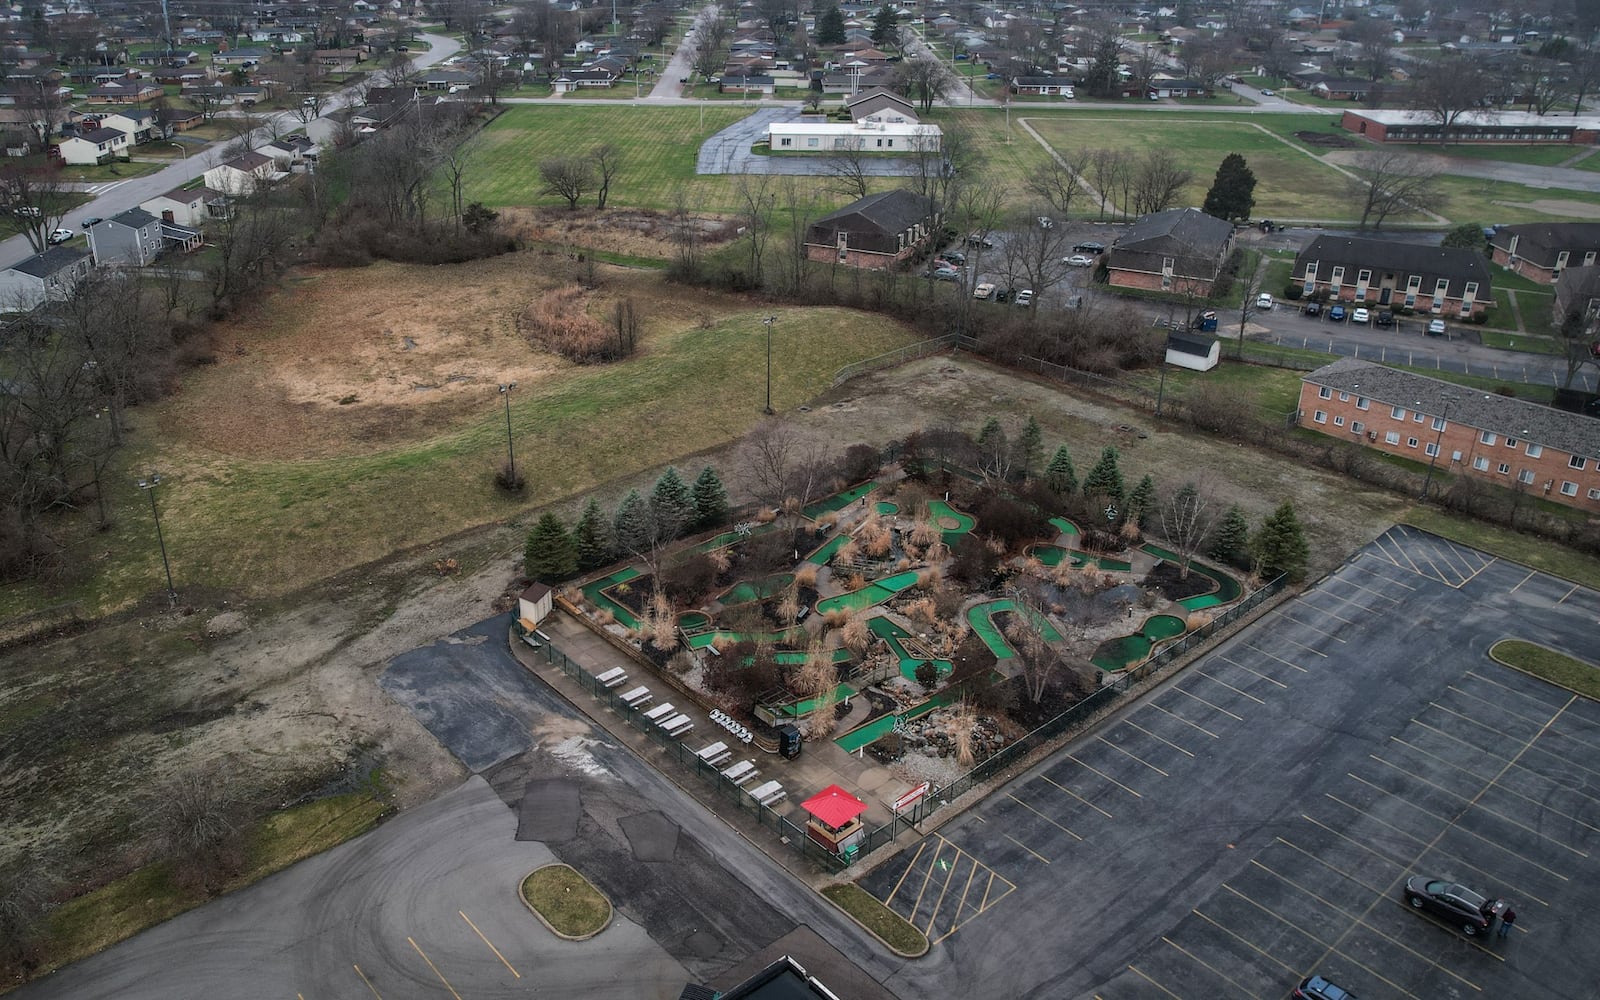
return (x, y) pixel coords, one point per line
(877, 231)
(1500, 439)
(1540, 251)
(1443, 280)
(1180, 250)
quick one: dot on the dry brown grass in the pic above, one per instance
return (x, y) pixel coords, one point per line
(558, 321)
(806, 575)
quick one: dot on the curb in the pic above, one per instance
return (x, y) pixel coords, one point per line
(926, 944)
(1528, 673)
(611, 910)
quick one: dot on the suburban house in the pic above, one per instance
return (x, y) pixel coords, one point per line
(180, 119)
(98, 145)
(1452, 280)
(292, 154)
(1161, 87)
(243, 174)
(1385, 125)
(1179, 250)
(876, 231)
(189, 207)
(1500, 439)
(575, 79)
(1041, 86)
(1540, 251)
(132, 237)
(1578, 299)
(343, 59)
(882, 122)
(141, 124)
(46, 277)
(1194, 350)
(1342, 89)
(240, 57)
(125, 92)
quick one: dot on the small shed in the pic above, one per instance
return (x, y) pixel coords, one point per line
(835, 819)
(1197, 351)
(534, 606)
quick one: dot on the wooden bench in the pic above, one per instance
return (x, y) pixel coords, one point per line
(741, 772)
(613, 678)
(677, 725)
(637, 698)
(768, 794)
(665, 710)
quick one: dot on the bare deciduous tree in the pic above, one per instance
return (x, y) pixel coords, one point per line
(1186, 521)
(607, 159)
(1059, 181)
(38, 199)
(755, 198)
(567, 177)
(1448, 87)
(1391, 182)
(925, 78)
(1158, 180)
(196, 820)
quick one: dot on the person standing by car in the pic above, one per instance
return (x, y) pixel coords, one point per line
(1507, 918)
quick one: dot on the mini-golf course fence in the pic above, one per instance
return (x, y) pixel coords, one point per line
(899, 356)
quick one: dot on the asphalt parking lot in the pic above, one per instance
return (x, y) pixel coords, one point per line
(1253, 820)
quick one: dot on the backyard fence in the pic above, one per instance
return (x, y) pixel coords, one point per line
(899, 356)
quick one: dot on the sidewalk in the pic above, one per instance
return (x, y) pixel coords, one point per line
(820, 764)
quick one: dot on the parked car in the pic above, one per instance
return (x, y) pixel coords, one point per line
(985, 290)
(1361, 316)
(1435, 327)
(1067, 93)
(92, 221)
(60, 236)
(1454, 903)
(1089, 246)
(1264, 302)
(1078, 260)
(1313, 309)
(1023, 298)
(1336, 314)
(1268, 93)
(945, 274)
(979, 240)
(1004, 294)
(1384, 318)
(1317, 988)
(953, 256)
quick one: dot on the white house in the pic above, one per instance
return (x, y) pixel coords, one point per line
(48, 276)
(882, 122)
(242, 174)
(101, 145)
(141, 124)
(191, 207)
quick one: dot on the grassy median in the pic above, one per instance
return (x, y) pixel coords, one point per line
(1557, 668)
(889, 927)
(566, 901)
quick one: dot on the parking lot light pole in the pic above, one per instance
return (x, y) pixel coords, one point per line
(1438, 444)
(511, 452)
(149, 484)
(769, 321)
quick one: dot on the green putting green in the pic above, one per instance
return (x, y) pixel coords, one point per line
(1051, 555)
(596, 593)
(951, 522)
(691, 620)
(887, 507)
(802, 708)
(704, 639)
(896, 637)
(1066, 526)
(1227, 590)
(826, 551)
(981, 618)
(1130, 649)
(795, 657)
(873, 593)
(756, 590)
(880, 727)
(839, 501)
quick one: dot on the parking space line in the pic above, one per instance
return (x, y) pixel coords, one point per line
(1075, 795)
(928, 876)
(1181, 719)
(1492, 704)
(939, 903)
(1278, 637)
(1574, 590)
(909, 869)
(1130, 722)
(1248, 944)
(1364, 589)
(435, 969)
(1530, 576)
(492, 948)
(1074, 758)
(1573, 739)
(1471, 802)
(1469, 719)
(1320, 631)
(1204, 965)
(1378, 573)
(1219, 708)
(1543, 806)
(364, 979)
(1200, 671)
(1330, 614)
(1275, 656)
(1235, 663)
(1146, 977)
(1478, 572)
(1047, 819)
(1352, 841)
(1328, 865)
(1136, 757)
(1510, 690)
(1025, 847)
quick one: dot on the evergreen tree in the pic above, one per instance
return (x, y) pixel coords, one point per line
(1142, 500)
(710, 500)
(830, 27)
(1233, 192)
(1280, 546)
(884, 23)
(1030, 446)
(1105, 479)
(1467, 236)
(550, 554)
(592, 537)
(633, 528)
(1230, 543)
(1060, 476)
(671, 505)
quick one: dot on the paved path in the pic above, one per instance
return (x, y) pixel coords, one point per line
(1494, 170)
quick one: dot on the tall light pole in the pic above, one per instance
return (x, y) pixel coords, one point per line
(1438, 444)
(149, 484)
(511, 453)
(769, 321)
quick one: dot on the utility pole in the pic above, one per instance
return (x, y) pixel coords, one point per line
(149, 484)
(1438, 443)
(511, 452)
(769, 321)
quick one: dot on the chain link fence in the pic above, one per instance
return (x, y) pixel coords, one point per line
(899, 356)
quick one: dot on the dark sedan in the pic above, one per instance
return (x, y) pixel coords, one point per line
(1384, 318)
(1313, 309)
(1318, 988)
(1454, 903)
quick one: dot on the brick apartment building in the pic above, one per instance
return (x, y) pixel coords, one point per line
(1540, 251)
(1179, 250)
(877, 231)
(1478, 128)
(1429, 279)
(1509, 442)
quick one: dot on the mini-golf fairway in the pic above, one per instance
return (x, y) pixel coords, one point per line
(880, 727)
(952, 523)
(981, 618)
(1228, 589)
(1115, 654)
(596, 593)
(873, 593)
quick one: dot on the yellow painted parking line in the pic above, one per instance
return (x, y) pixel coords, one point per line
(1067, 830)
(1386, 582)
(1320, 631)
(1180, 949)
(1130, 722)
(933, 863)
(492, 948)
(1135, 756)
(1324, 611)
(1399, 554)
(1295, 642)
(1525, 579)
(364, 979)
(909, 869)
(1352, 841)
(1075, 795)
(1573, 739)
(934, 914)
(1194, 725)
(1243, 694)
(1520, 693)
(1096, 770)
(1475, 805)
(1244, 941)
(1347, 876)
(1219, 708)
(1540, 804)
(1469, 719)
(1492, 704)
(1146, 977)
(435, 969)
(1025, 847)
(1250, 670)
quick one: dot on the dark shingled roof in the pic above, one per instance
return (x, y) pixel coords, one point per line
(133, 218)
(43, 265)
(1540, 242)
(1454, 263)
(1572, 433)
(1186, 230)
(890, 211)
(1198, 344)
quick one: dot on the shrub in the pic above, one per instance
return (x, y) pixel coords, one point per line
(927, 674)
(860, 463)
(557, 321)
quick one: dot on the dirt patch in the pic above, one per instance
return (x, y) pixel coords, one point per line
(1557, 206)
(631, 232)
(1326, 140)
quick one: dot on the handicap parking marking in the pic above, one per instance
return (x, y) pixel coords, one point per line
(967, 888)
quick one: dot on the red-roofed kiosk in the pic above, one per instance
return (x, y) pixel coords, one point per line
(835, 818)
